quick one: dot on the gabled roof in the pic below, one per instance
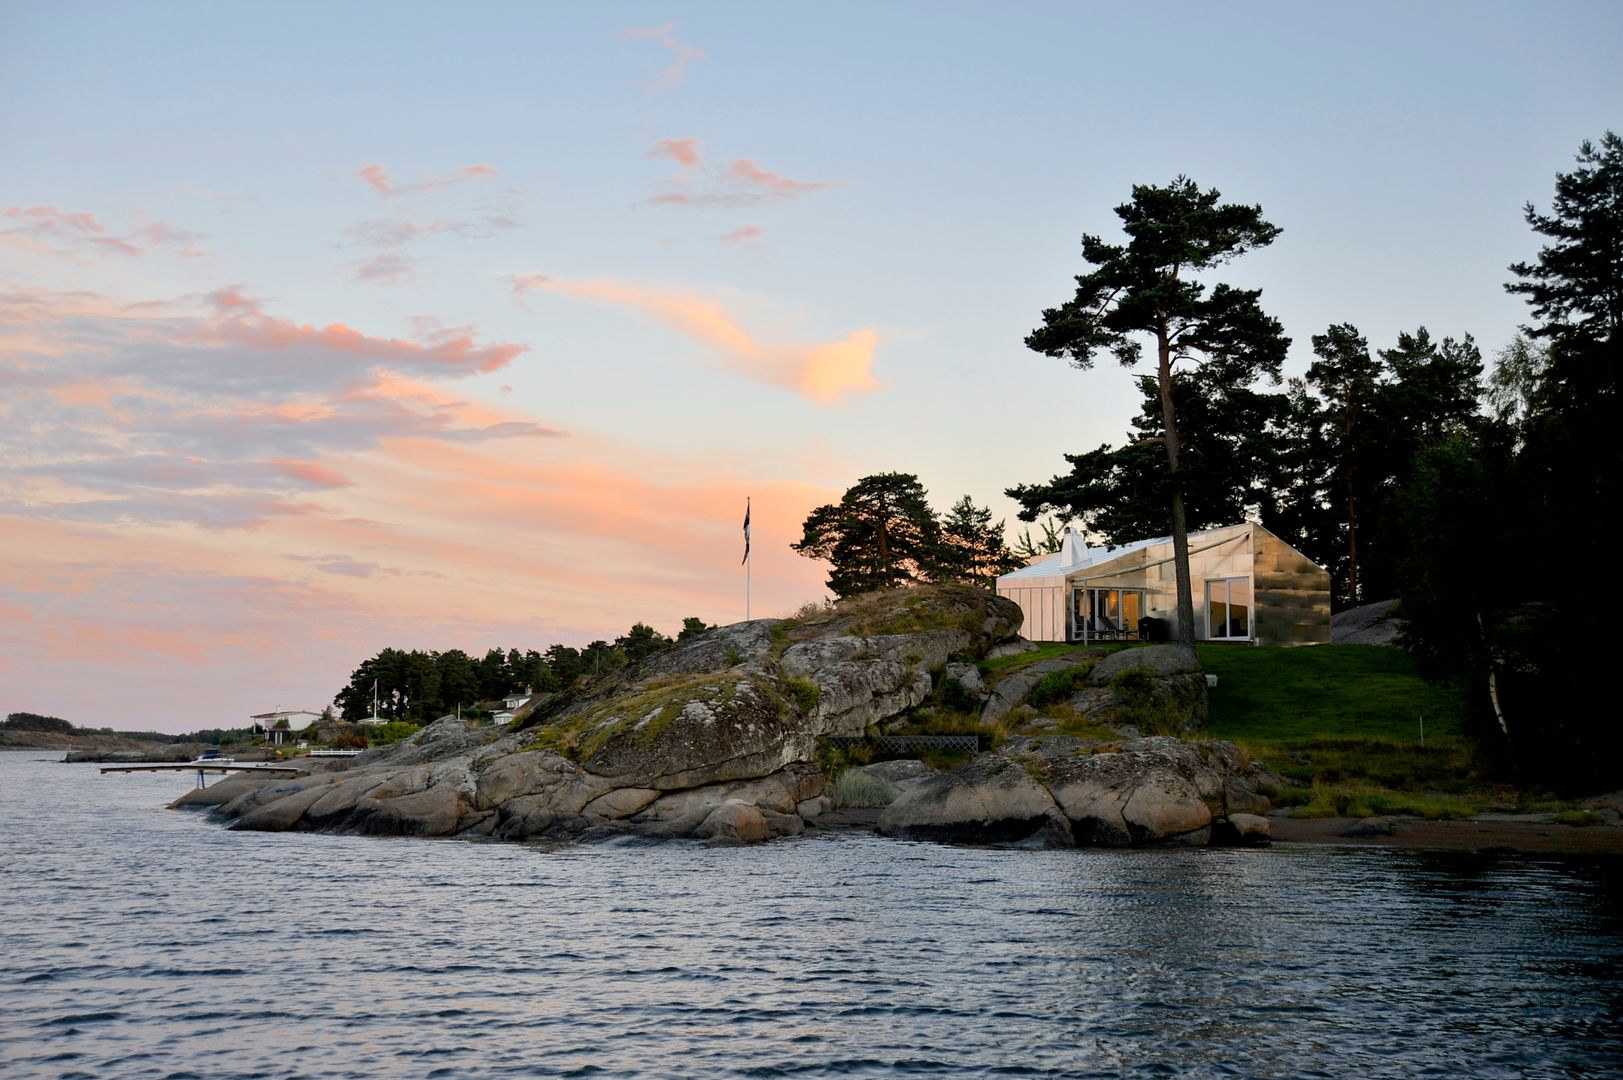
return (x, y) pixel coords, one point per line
(1074, 555)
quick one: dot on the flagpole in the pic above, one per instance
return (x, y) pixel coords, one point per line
(747, 567)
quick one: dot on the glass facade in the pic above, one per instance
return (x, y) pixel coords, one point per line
(1106, 613)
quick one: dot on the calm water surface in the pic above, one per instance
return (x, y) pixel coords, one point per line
(140, 942)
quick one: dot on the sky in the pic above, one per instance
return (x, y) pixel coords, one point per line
(332, 327)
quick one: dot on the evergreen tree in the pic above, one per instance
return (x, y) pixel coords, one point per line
(1231, 436)
(459, 684)
(692, 627)
(494, 676)
(565, 664)
(973, 550)
(1147, 287)
(880, 535)
(641, 641)
(1346, 433)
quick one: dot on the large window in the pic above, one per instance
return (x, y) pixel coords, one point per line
(1228, 608)
(1105, 613)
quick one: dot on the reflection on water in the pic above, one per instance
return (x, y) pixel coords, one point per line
(142, 942)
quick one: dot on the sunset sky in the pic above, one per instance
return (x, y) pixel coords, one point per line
(328, 327)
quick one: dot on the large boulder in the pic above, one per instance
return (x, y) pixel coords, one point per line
(1145, 792)
(992, 799)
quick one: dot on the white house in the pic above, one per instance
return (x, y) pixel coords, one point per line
(271, 723)
(1248, 585)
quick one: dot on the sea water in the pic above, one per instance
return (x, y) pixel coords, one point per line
(143, 942)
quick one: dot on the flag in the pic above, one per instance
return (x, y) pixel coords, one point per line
(746, 532)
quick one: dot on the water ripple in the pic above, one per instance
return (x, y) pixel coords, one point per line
(145, 943)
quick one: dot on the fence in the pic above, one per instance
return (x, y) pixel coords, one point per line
(907, 744)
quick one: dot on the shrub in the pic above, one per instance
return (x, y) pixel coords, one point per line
(348, 740)
(804, 692)
(834, 760)
(392, 732)
(856, 789)
(1056, 686)
(951, 696)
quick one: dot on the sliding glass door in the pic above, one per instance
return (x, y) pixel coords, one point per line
(1228, 608)
(1105, 613)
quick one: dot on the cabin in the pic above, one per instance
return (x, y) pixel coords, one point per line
(1248, 585)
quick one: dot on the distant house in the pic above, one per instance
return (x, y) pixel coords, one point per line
(502, 716)
(516, 700)
(279, 727)
(1248, 585)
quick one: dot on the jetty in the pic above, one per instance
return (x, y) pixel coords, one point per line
(203, 767)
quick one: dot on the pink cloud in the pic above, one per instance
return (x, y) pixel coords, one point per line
(681, 151)
(231, 507)
(744, 236)
(745, 171)
(206, 618)
(454, 350)
(822, 372)
(64, 232)
(313, 473)
(378, 178)
(672, 74)
(741, 182)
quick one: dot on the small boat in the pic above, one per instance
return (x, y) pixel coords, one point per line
(212, 756)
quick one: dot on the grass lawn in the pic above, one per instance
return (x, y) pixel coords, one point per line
(1282, 696)
(1345, 720)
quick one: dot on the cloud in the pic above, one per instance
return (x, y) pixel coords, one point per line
(342, 565)
(67, 233)
(378, 179)
(744, 236)
(222, 502)
(313, 473)
(217, 413)
(741, 182)
(672, 74)
(682, 151)
(399, 231)
(822, 372)
(389, 268)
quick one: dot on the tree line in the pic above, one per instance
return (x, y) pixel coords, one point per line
(1320, 462)
(418, 686)
(1400, 468)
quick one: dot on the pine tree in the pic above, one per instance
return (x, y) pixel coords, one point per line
(1146, 287)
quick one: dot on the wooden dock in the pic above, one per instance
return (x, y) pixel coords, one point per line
(202, 767)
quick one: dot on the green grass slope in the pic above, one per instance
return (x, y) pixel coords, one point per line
(1346, 722)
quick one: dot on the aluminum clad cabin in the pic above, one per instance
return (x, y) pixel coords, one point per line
(1248, 585)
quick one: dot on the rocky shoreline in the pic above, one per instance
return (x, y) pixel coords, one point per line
(718, 739)
(726, 739)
